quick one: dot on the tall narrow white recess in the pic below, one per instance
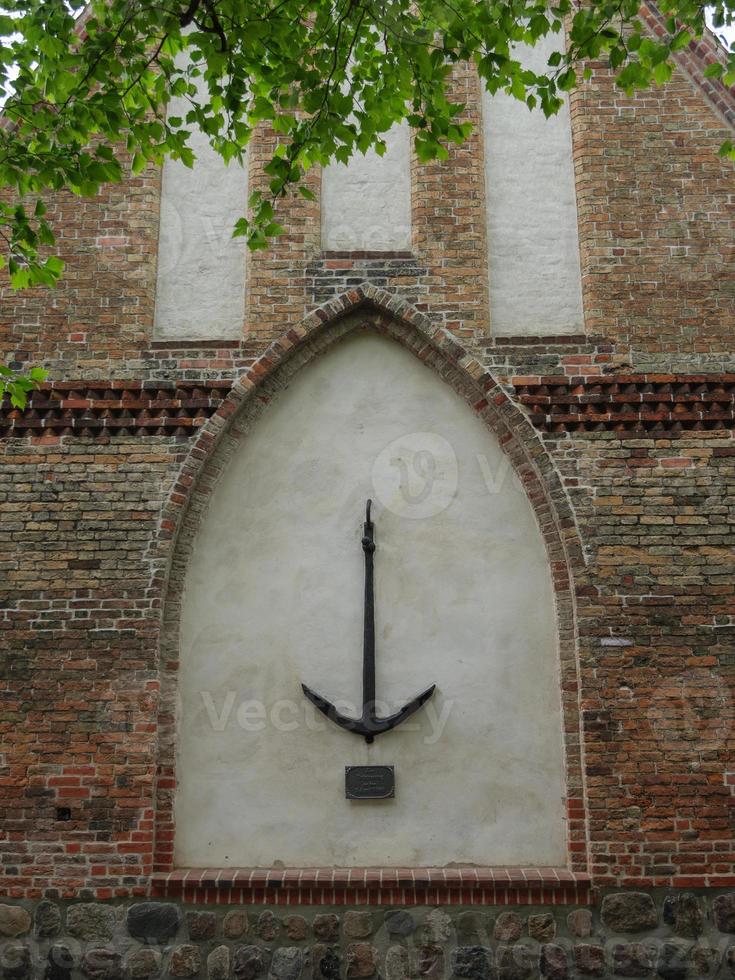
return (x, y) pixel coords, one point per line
(200, 292)
(535, 281)
(366, 203)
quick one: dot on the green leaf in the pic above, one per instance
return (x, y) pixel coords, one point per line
(714, 70)
(682, 39)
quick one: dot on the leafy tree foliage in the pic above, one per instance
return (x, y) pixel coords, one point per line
(17, 386)
(88, 88)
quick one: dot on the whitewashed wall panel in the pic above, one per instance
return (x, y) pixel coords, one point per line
(535, 282)
(274, 598)
(366, 203)
(200, 291)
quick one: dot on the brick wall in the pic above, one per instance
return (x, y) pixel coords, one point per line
(102, 311)
(656, 217)
(647, 511)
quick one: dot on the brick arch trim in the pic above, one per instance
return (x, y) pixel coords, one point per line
(365, 307)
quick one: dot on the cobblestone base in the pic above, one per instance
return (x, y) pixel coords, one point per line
(674, 936)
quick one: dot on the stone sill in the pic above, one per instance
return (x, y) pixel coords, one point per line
(376, 886)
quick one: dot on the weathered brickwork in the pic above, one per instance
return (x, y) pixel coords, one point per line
(449, 222)
(673, 936)
(647, 536)
(623, 438)
(101, 313)
(656, 220)
(78, 630)
(656, 631)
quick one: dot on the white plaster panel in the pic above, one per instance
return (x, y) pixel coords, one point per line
(274, 597)
(200, 290)
(535, 281)
(366, 203)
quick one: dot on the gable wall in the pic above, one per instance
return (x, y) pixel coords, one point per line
(653, 509)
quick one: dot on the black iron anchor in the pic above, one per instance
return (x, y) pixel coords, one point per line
(368, 724)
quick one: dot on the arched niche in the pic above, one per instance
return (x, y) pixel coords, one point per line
(267, 583)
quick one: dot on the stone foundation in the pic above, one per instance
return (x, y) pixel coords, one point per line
(672, 935)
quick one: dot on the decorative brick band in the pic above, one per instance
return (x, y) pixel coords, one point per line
(648, 403)
(105, 408)
(376, 886)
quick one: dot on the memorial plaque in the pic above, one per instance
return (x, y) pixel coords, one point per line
(370, 782)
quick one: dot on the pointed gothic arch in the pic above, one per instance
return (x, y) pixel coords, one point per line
(364, 308)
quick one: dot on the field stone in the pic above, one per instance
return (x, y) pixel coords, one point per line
(472, 962)
(672, 961)
(357, 925)
(514, 963)
(629, 912)
(723, 912)
(60, 963)
(684, 914)
(326, 963)
(235, 924)
(553, 962)
(730, 960)
(396, 963)
(326, 927)
(186, 961)
(14, 920)
(144, 963)
(296, 927)
(312, 957)
(542, 927)
(218, 963)
(398, 923)
(508, 927)
(47, 919)
(632, 960)
(361, 959)
(249, 962)
(590, 960)
(579, 923)
(153, 922)
(15, 960)
(704, 960)
(430, 961)
(91, 921)
(102, 964)
(267, 927)
(201, 925)
(437, 926)
(286, 963)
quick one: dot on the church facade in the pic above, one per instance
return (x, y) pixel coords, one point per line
(523, 357)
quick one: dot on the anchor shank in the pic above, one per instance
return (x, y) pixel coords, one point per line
(368, 649)
(368, 725)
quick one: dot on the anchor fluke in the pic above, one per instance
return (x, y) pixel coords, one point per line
(371, 725)
(368, 725)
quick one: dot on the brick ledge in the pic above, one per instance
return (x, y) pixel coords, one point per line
(376, 886)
